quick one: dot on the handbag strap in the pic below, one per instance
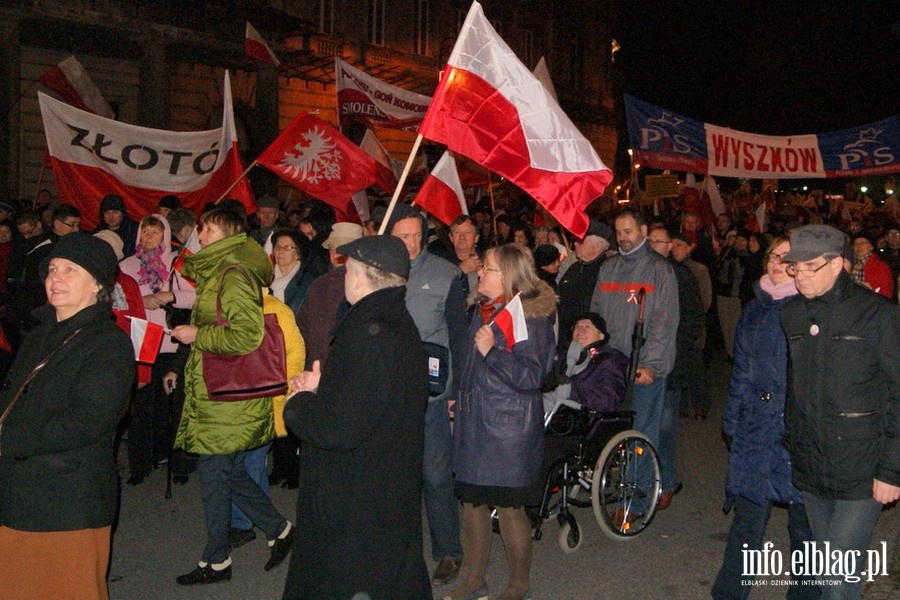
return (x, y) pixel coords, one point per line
(219, 319)
(37, 369)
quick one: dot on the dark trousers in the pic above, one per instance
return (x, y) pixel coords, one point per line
(223, 480)
(149, 428)
(748, 528)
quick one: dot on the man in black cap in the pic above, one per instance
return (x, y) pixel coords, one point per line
(114, 217)
(843, 413)
(361, 421)
(577, 284)
(267, 212)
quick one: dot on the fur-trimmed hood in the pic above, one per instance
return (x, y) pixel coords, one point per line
(543, 304)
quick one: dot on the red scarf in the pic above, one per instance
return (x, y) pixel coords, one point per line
(488, 307)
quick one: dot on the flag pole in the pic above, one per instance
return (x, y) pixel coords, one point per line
(235, 182)
(493, 207)
(406, 169)
(40, 182)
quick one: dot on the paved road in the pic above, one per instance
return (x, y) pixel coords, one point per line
(676, 558)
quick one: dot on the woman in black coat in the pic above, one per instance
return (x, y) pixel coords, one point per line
(58, 476)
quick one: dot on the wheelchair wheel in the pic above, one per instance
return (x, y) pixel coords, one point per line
(569, 538)
(626, 485)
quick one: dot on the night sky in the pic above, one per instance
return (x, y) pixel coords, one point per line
(775, 67)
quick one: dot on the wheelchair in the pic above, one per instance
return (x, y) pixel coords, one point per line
(595, 460)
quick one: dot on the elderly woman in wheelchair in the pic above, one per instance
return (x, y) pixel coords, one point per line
(590, 447)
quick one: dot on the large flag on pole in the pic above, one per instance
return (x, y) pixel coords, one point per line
(442, 193)
(492, 109)
(314, 157)
(93, 156)
(256, 47)
(365, 99)
(71, 82)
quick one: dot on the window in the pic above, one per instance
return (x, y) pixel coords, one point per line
(326, 16)
(376, 22)
(529, 49)
(423, 31)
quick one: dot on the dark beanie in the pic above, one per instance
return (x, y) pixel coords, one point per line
(91, 254)
(384, 252)
(545, 254)
(597, 320)
(169, 201)
(112, 202)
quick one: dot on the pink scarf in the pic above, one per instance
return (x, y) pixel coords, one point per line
(152, 271)
(778, 291)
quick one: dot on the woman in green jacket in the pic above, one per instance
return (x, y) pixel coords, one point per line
(222, 432)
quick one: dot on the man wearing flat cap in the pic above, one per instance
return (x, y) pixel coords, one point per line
(843, 413)
(361, 420)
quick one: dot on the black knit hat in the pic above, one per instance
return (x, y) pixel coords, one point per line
(384, 252)
(112, 202)
(91, 254)
(597, 320)
(545, 254)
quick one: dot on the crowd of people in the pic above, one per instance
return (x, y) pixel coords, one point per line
(397, 362)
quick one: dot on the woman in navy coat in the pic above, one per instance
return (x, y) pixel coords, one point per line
(759, 466)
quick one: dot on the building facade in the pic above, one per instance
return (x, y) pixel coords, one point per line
(160, 63)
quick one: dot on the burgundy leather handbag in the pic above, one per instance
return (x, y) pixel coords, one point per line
(257, 374)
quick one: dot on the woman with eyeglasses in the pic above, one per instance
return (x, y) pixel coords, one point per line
(759, 467)
(498, 441)
(291, 279)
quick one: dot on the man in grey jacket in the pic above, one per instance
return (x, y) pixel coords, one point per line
(435, 301)
(616, 299)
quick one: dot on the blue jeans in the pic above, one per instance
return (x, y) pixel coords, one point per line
(647, 403)
(668, 439)
(255, 463)
(441, 505)
(223, 479)
(847, 525)
(748, 528)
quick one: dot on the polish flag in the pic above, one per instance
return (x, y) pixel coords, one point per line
(316, 158)
(70, 81)
(146, 338)
(489, 107)
(256, 47)
(715, 197)
(93, 156)
(511, 321)
(442, 193)
(391, 169)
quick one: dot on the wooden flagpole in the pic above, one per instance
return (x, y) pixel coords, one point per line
(235, 182)
(400, 184)
(40, 182)
(493, 207)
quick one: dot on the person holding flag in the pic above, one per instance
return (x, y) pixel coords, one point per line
(498, 438)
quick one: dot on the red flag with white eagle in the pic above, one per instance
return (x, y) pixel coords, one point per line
(316, 158)
(511, 322)
(489, 107)
(256, 47)
(70, 81)
(93, 156)
(442, 193)
(145, 338)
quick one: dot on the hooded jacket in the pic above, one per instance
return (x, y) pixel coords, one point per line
(209, 427)
(498, 435)
(183, 291)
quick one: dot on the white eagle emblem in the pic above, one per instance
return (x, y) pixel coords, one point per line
(316, 158)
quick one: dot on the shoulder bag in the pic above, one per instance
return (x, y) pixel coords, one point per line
(257, 374)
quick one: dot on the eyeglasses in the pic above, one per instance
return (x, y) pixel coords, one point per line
(284, 248)
(793, 270)
(776, 257)
(494, 269)
(71, 224)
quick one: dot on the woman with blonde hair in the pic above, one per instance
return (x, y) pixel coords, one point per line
(498, 441)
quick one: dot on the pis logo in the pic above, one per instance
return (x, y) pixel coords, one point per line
(661, 131)
(868, 151)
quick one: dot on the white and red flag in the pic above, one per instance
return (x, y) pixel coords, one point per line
(489, 107)
(362, 98)
(70, 81)
(145, 338)
(442, 193)
(314, 157)
(511, 321)
(256, 47)
(391, 168)
(93, 156)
